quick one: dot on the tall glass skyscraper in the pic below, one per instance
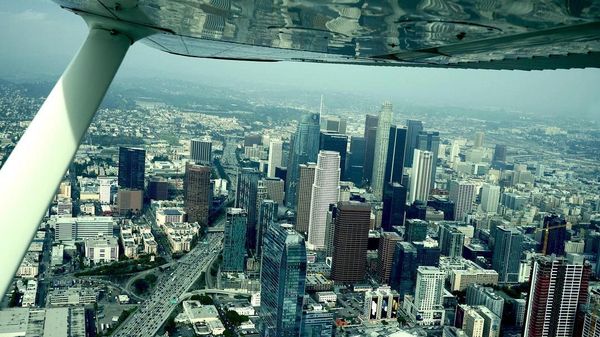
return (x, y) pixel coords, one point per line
(131, 168)
(283, 279)
(430, 141)
(381, 150)
(234, 250)
(413, 129)
(305, 149)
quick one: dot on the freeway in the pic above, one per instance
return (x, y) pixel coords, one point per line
(153, 312)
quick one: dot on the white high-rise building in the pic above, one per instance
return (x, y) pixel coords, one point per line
(427, 304)
(462, 193)
(490, 196)
(420, 177)
(472, 322)
(325, 191)
(454, 152)
(201, 151)
(275, 155)
(381, 148)
(105, 189)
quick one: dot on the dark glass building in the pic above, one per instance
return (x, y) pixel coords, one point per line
(370, 134)
(304, 148)
(506, 259)
(234, 251)
(356, 160)
(246, 198)
(555, 229)
(394, 164)
(331, 141)
(266, 215)
(413, 128)
(283, 279)
(131, 168)
(394, 206)
(415, 230)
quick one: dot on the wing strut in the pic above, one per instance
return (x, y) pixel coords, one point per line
(32, 173)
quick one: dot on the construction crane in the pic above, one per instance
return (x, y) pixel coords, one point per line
(546, 230)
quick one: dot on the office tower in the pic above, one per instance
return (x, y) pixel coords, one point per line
(196, 193)
(304, 149)
(490, 196)
(131, 168)
(317, 321)
(158, 189)
(394, 206)
(444, 205)
(305, 188)
(395, 155)
(554, 235)
(491, 321)
(356, 161)
(499, 153)
(478, 140)
(275, 188)
(480, 295)
(427, 304)
(129, 202)
(404, 270)
(420, 177)
(413, 128)
(415, 230)
(325, 191)
(267, 214)
(350, 241)
(252, 139)
(430, 141)
(247, 198)
(381, 303)
(451, 241)
(591, 323)
(508, 248)
(333, 124)
(370, 135)
(234, 239)
(275, 156)
(559, 286)
(462, 193)
(381, 148)
(282, 279)
(385, 258)
(201, 151)
(338, 143)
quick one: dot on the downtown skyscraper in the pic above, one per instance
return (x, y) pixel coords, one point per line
(234, 251)
(506, 258)
(420, 178)
(305, 188)
(304, 149)
(381, 150)
(325, 191)
(462, 193)
(430, 141)
(282, 279)
(201, 151)
(131, 168)
(559, 286)
(413, 128)
(275, 156)
(196, 193)
(370, 135)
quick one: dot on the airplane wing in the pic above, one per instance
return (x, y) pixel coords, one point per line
(474, 34)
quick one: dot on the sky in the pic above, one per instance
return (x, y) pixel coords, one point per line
(39, 39)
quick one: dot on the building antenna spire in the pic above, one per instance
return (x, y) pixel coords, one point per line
(321, 107)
